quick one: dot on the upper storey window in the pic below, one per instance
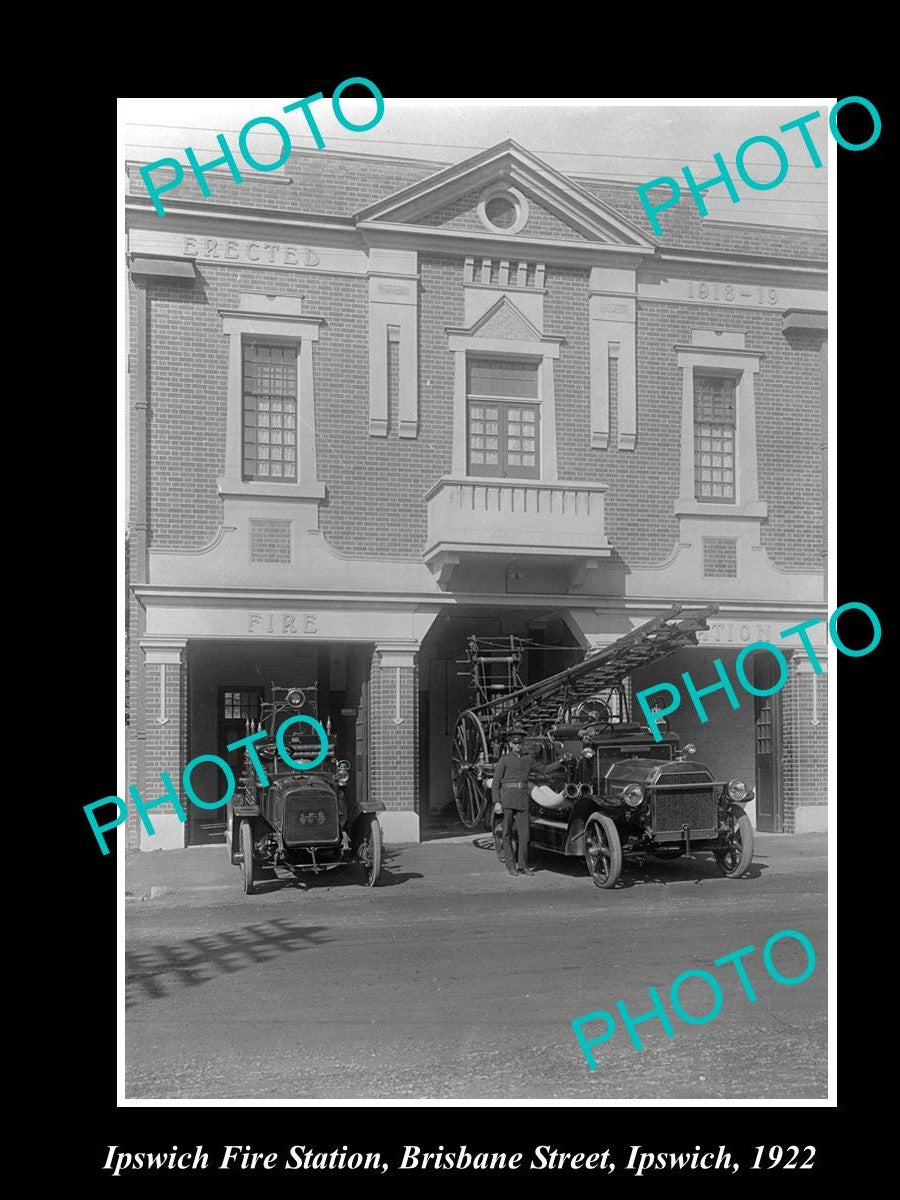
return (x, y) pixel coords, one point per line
(714, 438)
(270, 412)
(503, 419)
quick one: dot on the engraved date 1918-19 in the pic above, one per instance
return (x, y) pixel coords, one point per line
(731, 293)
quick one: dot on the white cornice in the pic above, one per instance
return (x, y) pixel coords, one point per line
(249, 216)
(365, 234)
(163, 595)
(242, 314)
(742, 261)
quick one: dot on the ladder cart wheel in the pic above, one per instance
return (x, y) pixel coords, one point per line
(470, 752)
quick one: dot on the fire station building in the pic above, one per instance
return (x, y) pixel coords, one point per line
(378, 405)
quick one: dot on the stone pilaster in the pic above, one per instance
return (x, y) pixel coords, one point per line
(164, 685)
(393, 739)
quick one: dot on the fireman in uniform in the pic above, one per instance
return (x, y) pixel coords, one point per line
(510, 789)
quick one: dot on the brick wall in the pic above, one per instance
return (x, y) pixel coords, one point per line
(462, 214)
(332, 183)
(788, 425)
(643, 483)
(393, 748)
(375, 502)
(339, 183)
(188, 359)
(720, 557)
(165, 745)
(683, 227)
(805, 746)
(270, 541)
(376, 486)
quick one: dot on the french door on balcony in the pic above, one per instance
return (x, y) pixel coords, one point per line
(504, 419)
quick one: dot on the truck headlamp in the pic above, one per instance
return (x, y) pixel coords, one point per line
(633, 795)
(587, 752)
(342, 772)
(737, 789)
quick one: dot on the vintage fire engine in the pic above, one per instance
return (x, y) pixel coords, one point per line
(305, 820)
(602, 786)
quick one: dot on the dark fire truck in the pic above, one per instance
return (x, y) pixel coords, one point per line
(603, 787)
(303, 820)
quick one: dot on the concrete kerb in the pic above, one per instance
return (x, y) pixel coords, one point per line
(204, 869)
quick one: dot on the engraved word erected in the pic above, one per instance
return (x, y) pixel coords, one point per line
(237, 250)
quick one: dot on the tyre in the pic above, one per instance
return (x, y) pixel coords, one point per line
(247, 867)
(370, 849)
(602, 850)
(229, 834)
(734, 860)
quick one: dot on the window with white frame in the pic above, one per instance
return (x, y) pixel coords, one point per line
(503, 418)
(714, 437)
(269, 404)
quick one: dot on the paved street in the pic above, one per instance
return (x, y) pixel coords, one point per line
(454, 979)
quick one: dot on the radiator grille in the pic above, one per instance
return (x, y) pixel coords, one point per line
(691, 806)
(309, 817)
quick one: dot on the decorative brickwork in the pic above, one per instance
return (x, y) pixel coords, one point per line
(720, 557)
(270, 541)
(393, 382)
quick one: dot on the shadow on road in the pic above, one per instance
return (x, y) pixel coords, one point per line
(157, 971)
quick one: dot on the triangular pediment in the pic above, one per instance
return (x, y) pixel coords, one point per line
(555, 208)
(505, 321)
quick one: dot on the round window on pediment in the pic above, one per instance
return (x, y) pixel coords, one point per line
(503, 210)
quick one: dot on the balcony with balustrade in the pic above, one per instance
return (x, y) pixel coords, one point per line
(514, 520)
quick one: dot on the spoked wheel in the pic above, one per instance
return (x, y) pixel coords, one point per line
(370, 848)
(469, 750)
(602, 850)
(734, 860)
(247, 867)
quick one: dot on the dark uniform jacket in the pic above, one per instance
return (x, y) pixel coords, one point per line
(510, 784)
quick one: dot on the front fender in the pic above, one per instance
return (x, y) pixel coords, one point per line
(356, 810)
(580, 813)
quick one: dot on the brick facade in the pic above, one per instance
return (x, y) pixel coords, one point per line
(373, 512)
(165, 744)
(719, 557)
(393, 744)
(805, 743)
